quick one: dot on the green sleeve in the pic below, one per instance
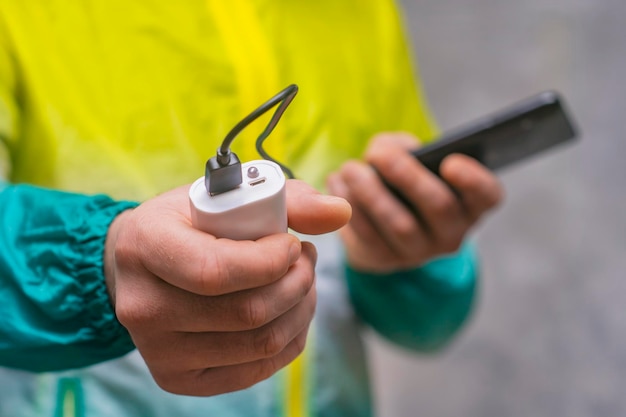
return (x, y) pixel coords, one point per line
(55, 311)
(421, 309)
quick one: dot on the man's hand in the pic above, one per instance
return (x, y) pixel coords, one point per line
(213, 315)
(384, 234)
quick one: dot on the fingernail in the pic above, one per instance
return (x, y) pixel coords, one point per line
(331, 199)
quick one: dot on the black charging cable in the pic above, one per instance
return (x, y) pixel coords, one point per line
(223, 171)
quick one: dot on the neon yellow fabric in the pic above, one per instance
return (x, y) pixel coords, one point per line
(295, 392)
(130, 98)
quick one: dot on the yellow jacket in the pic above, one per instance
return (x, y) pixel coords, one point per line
(129, 98)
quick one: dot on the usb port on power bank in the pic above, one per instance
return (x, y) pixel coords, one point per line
(256, 182)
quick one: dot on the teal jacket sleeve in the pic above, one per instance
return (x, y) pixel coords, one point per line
(420, 309)
(55, 312)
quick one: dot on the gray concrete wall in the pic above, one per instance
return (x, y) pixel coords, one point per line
(549, 334)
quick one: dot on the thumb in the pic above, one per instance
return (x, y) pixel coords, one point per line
(313, 213)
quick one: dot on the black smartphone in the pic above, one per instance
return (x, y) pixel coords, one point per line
(509, 135)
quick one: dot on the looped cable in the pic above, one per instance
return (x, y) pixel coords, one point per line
(285, 97)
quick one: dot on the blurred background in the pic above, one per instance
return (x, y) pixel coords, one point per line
(548, 336)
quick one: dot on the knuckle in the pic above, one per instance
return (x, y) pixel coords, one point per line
(307, 282)
(299, 343)
(451, 243)
(264, 370)
(268, 367)
(253, 313)
(135, 317)
(403, 227)
(348, 170)
(380, 207)
(271, 341)
(276, 267)
(213, 276)
(128, 313)
(272, 266)
(125, 251)
(444, 205)
(170, 383)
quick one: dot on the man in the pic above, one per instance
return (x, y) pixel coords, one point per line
(129, 100)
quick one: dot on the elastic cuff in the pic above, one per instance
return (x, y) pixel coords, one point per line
(90, 243)
(442, 274)
(58, 314)
(422, 308)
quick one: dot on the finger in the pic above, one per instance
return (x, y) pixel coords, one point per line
(198, 262)
(170, 308)
(204, 350)
(440, 211)
(434, 202)
(217, 380)
(360, 227)
(360, 235)
(378, 210)
(386, 141)
(158, 236)
(311, 212)
(480, 190)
